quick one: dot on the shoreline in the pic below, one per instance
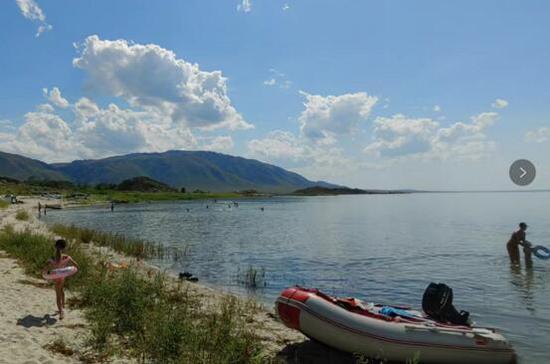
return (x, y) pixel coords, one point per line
(278, 342)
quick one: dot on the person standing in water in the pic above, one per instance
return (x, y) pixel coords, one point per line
(519, 238)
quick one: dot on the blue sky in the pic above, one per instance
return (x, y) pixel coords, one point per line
(385, 94)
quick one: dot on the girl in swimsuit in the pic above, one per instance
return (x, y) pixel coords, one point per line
(60, 261)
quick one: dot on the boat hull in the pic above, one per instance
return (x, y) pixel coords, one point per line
(337, 327)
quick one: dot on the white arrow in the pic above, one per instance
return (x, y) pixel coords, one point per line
(524, 172)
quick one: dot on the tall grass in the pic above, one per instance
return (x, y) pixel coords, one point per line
(253, 278)
(120, 243)
(22, 215)
(150, 319)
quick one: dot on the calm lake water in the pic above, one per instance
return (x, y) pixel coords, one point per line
(379, 248)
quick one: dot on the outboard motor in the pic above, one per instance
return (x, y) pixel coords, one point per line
(437, 303)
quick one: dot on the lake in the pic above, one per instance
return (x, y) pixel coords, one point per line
(381, 248)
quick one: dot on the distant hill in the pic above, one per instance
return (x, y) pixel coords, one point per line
(207, 171)
(330, 191)
(23, 168)
(144, 184)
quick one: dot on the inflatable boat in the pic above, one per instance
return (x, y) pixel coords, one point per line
(388, 332)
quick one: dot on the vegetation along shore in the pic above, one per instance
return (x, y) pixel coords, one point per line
(120, 309)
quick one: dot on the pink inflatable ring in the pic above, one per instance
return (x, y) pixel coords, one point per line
(60, 273)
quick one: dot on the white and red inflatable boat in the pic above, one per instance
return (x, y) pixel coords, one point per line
(353, 326)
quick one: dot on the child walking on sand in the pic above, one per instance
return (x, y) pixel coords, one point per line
(60, 261)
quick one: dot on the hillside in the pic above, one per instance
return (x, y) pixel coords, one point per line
(144, 184)
(207, 171)
(23, 168)
(328, 191)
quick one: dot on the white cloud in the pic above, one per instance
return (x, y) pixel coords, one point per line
(324, 118)
(540, 135)
(45, 108)
(399, 135)
(6, 125)
(42, 135)
(94, 133)
(403, 137)
(278, 145)
(286, 7)
(30, 10)
(499, 104)
(277, 79)
(437, 108)
(151, 77)
(300, 155)
(245, 6)
(222, 143)
(54, 96)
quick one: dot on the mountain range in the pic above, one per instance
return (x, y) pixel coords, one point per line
(203, 170)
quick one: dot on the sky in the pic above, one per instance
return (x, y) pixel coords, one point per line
(371, 94)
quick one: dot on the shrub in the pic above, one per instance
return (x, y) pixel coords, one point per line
(22, 215)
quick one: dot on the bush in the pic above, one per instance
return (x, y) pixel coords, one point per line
(22, 215)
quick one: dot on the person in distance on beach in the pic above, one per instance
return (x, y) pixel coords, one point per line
(60, 261)
(519, 238)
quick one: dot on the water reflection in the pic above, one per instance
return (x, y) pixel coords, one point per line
(523, 280)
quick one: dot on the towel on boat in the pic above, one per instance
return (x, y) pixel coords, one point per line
(393, 312)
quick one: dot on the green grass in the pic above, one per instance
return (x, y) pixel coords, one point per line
(135, 197)
(22, 215)
(4, 204)
(137, 248)
(150, 319)
(96, 196)
(253, 278)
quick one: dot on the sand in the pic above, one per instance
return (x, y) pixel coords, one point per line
(28, 320)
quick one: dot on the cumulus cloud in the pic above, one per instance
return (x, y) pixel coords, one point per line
(326, 117)
(94, 132)
(30, 10)
(540, 135)
(278, 145)
(399, 135)
(301, 155)
(222, 143)
(403, 137)
(245, 6)
(151, 77)
(54, 96)
(42, 134)
(499, 104)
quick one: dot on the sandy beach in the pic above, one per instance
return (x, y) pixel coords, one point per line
(29, 323)
(28, 320)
